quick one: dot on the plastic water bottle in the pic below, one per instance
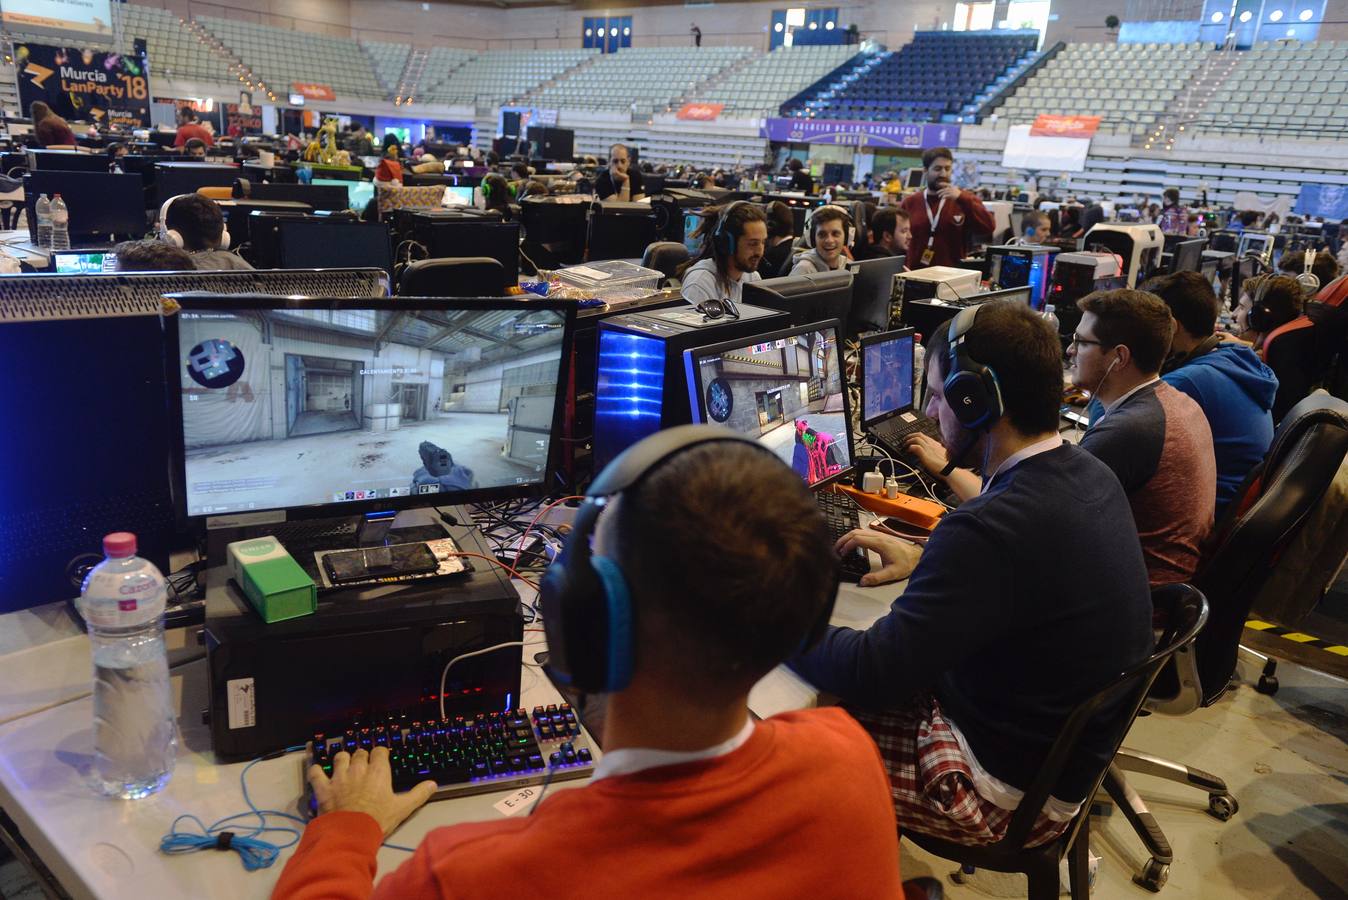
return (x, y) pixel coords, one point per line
(60, 224)
(43, 213)
(1050, 315)
(135, 734)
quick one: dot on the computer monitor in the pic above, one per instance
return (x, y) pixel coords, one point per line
(83, 263)
(451, 237)
(465, 194)
(330, 194)
(101, 206)
(317, 243)
(620, 230)
(808, 298)
(174, 178)
(872, 291)
(337, 407)
(786, 390)
(887, 376)
(67, 161)
(1256, 242)
(913, 179)
(1187, 256)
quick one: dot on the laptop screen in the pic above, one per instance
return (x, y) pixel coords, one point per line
(785, 390)
(886, 375)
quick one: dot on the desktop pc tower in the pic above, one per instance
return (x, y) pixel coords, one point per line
(1074, 276)
(1020, 266)
(1139, 246)
(640, 384)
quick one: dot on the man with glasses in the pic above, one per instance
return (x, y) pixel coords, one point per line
(619, 181)
(1154, 438)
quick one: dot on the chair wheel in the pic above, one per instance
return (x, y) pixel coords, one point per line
(1222, 806)
(1153, 875)
(1268, 684)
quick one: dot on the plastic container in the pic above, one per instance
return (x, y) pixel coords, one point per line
(611, 280)
(43, 215)
(135, 730)
(1050, 315)
(60, 224)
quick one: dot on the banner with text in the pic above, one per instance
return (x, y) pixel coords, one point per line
(106, 88)
(1046, 125)
(84, 16)
(907, 135)
(311, 91)
(242, 118)
(700, 112)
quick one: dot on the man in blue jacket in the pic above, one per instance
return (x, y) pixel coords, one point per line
(1227, 379)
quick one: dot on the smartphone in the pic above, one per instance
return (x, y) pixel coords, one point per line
(901, 528)
(380, 562)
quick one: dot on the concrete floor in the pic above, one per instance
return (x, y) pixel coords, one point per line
(306, 470)
(324, 422)
(1284, 757)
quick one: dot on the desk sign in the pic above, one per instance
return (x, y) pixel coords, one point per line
(520, 800)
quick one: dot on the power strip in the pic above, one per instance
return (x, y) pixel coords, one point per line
(913, 510)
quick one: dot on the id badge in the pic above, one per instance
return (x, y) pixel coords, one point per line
(927, 256)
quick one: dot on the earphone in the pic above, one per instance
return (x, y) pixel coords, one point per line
(722, 238)
(972, 390)
(847, 219)
(1309, 281)
(173, 237)
(586, 599)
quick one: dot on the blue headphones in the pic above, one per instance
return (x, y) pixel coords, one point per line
(722, 238)
(586, 600)
(971, 388)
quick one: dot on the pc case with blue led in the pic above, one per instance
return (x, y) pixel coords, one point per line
(1020, 265)
(640, 387)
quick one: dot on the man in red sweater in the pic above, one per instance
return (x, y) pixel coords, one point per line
(957, 214)
(189, 128)
(720, 548)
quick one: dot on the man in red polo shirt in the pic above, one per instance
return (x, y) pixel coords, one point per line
(957, 214)
(189, 127)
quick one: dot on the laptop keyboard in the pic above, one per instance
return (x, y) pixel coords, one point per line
(894, 432)
(840, 511)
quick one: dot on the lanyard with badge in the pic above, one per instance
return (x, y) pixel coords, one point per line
(930, 253)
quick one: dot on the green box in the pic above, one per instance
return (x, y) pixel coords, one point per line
(272, 581)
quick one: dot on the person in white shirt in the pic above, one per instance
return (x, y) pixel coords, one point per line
(730, 255)
(826, 233)
(1035, 228)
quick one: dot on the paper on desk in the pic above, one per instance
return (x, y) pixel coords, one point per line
(781, 690)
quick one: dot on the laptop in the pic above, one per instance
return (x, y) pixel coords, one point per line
(888, 414)
(787, 390)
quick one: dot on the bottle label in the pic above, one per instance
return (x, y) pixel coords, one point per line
(109, 600)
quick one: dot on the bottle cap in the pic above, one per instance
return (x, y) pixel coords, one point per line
(119, 544)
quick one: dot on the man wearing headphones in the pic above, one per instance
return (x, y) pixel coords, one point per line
(1035, 228)
(826, 237)
(730, 256)
(957, 214)
(968, 680)
(692, 797)
(1232, 386)
(196, 224)
(619, 181)
(1155, 439)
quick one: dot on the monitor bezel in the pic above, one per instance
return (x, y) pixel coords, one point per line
(697, 399)
(207, 302)
(867, 341)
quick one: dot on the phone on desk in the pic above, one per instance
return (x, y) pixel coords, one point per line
(901, 529)
(378, 562)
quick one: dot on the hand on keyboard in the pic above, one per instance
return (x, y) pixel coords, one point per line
(363, 782)
(898, 557)
(927, 451)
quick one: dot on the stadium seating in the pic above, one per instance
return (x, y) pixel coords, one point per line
(1139, 83)
(1284, 90)
(492, 78)
(388, 61)
(764, 84)
(643, 79)
(935, 75)
(280, 57)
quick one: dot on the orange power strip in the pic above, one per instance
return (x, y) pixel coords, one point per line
(913, 510)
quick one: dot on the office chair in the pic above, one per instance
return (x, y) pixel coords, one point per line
(665, 257)
(1267, 514)
(464, 276)
(1187, 611)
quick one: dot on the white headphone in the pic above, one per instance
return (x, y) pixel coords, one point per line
(1309, 281)
(173, 237)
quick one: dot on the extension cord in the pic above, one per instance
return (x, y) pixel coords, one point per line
(913, 510)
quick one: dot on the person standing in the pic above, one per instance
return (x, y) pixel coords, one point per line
(189, 128)
(50, 129)
(697, 35)
(957, 215)
(1174, 219)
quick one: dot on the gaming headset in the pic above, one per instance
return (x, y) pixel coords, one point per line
(808, 237)
(1258, 318)
(585, 599)
(722, 238)
(1309, 281)
(173, 237)
(972, 390)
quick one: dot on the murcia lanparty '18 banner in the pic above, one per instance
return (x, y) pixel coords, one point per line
(105, 88)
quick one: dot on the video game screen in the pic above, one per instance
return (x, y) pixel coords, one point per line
(887, 373)
(786, 393)
(286, 408)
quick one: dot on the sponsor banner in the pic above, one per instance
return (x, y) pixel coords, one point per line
(1046, 125)
(312, 91)
(242, 118)
(905, 135)
(105, 88)
(700, 112)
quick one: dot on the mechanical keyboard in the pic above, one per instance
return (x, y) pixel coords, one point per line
(468, 755)
(840, 511)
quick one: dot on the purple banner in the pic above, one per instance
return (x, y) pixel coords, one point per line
(905, 135)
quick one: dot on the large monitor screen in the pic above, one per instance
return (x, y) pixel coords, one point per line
(785, 390)
(285, 408)
(85, 16)
(887, 374)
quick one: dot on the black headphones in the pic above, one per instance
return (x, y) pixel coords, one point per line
(722, 238)
(585, 599)
(1259, 318)
(971, 388)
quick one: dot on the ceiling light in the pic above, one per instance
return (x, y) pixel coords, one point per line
(1246, 16)
(1217, 17)
(1275, 16)
(814, 25)
(828, 26)
(777, 27)
(1305, 15)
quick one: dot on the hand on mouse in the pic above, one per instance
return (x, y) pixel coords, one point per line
(898, 557)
